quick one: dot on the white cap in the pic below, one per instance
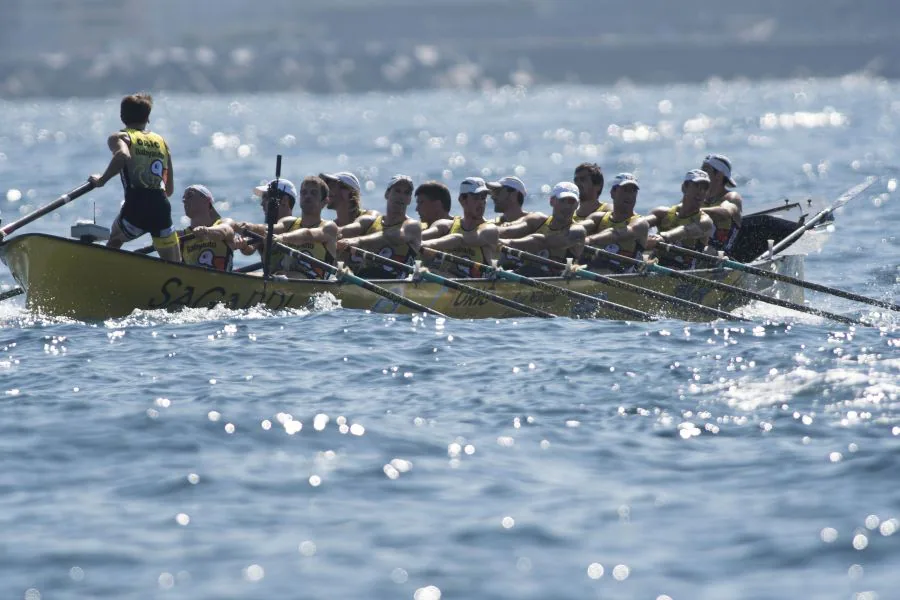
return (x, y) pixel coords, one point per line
(398, 178)
(720, 163)
(625, 179)
(472, 185)
(284, 185)
(696, 176)
(510, 182)
(345, 177)
(200, 189)
(565, 189)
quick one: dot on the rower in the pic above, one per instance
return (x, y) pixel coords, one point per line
(513, 222)
(589, 179)
(508, 194)
(433, 203)
(393, 235)
(309, 233)
(723, 205)
(620, 230)
(683, 224)
(469, 236)
(143, 161)
(559, 237)
(213, 240)
(344, 199)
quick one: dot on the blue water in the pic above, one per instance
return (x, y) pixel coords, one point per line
(329, 453)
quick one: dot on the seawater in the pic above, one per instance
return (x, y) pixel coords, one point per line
(328, 453)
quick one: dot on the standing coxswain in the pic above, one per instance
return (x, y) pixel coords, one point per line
(143, 161)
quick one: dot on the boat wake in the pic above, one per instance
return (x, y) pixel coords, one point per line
(16, 316)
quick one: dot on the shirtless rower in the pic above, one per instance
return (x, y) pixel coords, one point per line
(469, 236)
(723, 205)
(393, 235)
(620, 230)
(589, 179)
(433, 203)
(213, 239)
(559, 237)
(308, 233)
(683, 224)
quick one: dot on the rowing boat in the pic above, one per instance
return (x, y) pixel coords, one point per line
(91, 282)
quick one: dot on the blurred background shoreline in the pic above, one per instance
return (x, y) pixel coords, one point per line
(94, 48)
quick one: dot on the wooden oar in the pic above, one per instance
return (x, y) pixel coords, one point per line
(709, 283)
(17, 291)
(274, 197)
(739, 266)
(617, 283)
(81, 190)
(541, 285)
(345, 275)
(248, 268)
(820, 216)
(455, 285)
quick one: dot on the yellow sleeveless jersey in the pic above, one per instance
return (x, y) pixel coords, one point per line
(149, 165)
(671, 221)
(474, 253)
(403, 253)
(726, 228)
(213, 254)
(628, 248)
(282, 261)
(604, 207)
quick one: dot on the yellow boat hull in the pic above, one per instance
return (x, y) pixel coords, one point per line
(90, 282)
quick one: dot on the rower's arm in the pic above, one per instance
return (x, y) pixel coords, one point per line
(635, 231)
(529, 243)
(223, 231)
(526, 226)
(438, 229)
(726, 209)
(412, 233)
(357, 227)
(261, 228)
(489, 239)
(576, 239)
(120, 154)
(702, 229)
(446, 243)
(170, 176)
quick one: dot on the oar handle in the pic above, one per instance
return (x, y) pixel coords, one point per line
(455, 285)
(81, 190)
(345, 276)
(635, 289)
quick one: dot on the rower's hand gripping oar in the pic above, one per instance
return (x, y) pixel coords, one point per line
(81, 190)
(345, 275)
(541, 285)
(617, 283)
(709, 283)
(739, 266)
(454, 285)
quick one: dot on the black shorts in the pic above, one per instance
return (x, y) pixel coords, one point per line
(146, 211)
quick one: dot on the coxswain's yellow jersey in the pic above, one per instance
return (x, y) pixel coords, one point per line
(283, 261)
(213, 254)
(148, 168)
(630, 248)
(402, 253)
(473, 253)
(726, 228)
(671, 220)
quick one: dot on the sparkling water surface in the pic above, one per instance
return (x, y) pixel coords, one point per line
(327, 453)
